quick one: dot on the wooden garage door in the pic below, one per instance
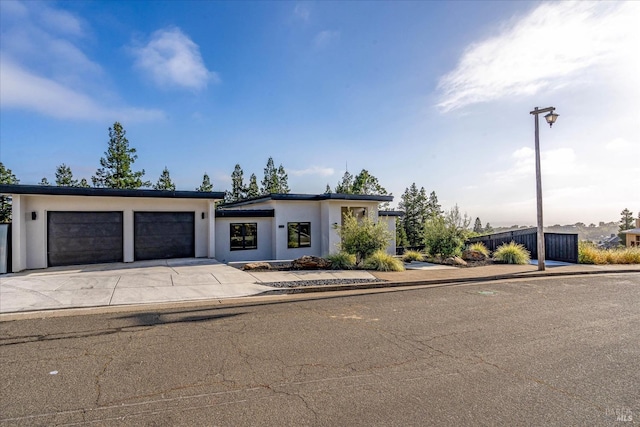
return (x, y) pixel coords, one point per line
(162, 235)
(84, 238)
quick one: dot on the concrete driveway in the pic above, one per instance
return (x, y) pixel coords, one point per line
(139, 283)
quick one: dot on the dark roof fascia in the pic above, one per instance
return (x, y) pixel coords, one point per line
(312, 197)
(245, 213)
(106, 192)
(390, 213)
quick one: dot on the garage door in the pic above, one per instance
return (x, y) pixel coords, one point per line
(83, 237)
(162, 235)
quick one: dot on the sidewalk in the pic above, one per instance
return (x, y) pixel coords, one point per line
(169, 281)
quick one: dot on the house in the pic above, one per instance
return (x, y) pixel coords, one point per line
(609, 242)
(632, 237)
(287, 226)
(56, 226)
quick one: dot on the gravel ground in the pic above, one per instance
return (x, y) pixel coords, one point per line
(301, 283)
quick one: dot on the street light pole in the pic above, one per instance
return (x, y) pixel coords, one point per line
(551, 118)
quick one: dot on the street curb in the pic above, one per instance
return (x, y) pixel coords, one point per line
(378, 285)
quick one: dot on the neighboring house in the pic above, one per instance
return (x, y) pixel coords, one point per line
(55, 226)
(609, 242)
(633, 235)
(287, 226)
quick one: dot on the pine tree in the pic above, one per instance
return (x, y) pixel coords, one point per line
(477, 226)
(164, 182)
(44, 181)
(488, 229)
(271, 181)
(626, 223)
(238, 190)
(64, 177)
(252, 189)
(345, 186)
(433, 207)
(283, 181)
(327, 190)
(365, 183)
(115, 170)
(414, 204)
(6, 177)
(83, 183)
(206, 184)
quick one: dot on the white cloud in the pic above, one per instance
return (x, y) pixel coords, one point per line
(173, 59)
(302, 12)
(313, 170)
(621, 145)
(550, 48)
(21, 89)
(43, 70)
(325, 38)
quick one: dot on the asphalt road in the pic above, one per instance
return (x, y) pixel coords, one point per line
(563, 351)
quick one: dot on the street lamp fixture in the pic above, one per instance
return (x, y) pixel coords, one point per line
(551, 118)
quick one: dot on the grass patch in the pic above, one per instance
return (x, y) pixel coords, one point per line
(589, 254)
(382, 261)
(512, 253)
(342, 261)
(409, 256)
(479, 247)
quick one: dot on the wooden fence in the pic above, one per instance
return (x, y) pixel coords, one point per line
(558, 246)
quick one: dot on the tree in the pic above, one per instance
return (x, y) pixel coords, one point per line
(164, 182)
(477, 226)
(365, 183)
(206, 184)
(64, 177)
(115, 170)
(83, 183)
(327, 190)
(44, 181)
(238, 191)
(414, 204)
(252, 189)
(345, 185)
(401, 234)
(283, 181)
(275, 181)
(626, 223)
(362, 237)
(6, 177)
(433, 207)
(488, 229)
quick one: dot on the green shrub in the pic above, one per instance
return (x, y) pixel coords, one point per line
(444, 235)
(479, 247)
(382, 261)
(363, 237)
(512, 253)
(342, 261)
(409, 256)
(589, 254)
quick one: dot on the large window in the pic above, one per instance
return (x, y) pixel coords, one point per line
(244, 236)
(299, 234)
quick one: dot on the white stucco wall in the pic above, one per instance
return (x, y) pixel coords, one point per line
(223, 240)
(391, 225)
(30, 236)
(297, 211)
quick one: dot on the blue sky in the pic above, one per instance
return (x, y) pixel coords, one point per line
(436, 93)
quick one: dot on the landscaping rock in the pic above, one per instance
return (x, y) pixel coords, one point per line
(454, 261)
(471, 255)
(308, 262)
(257, 266)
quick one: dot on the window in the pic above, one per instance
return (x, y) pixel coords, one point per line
(244, 236)
(299, 235)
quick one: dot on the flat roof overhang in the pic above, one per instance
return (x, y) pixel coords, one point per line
(48, 190)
